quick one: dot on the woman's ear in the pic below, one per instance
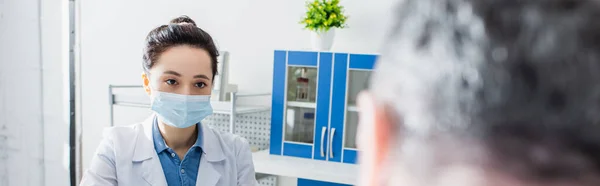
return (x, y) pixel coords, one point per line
(146, 83)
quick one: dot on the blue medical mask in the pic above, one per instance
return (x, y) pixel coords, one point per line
(181, 111)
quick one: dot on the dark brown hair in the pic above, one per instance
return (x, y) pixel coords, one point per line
(180, 31)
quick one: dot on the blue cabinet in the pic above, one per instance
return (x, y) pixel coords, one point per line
(351, 75)
(314, 112)
(300, 110)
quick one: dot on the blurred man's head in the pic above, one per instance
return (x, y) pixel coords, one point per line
(486, 92)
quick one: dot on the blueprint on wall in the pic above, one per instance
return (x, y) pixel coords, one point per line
(2, 17)
(4, 133)
(21, 124)
(3, 136)
(21, 136)
(6, 149)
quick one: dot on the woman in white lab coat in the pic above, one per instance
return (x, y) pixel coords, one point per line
(172, 147)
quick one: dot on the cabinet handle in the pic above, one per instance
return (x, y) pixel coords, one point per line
(331, 142)
(323, 139)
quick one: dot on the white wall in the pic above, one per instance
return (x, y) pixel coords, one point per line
(113, 32)
(33, 132)
(55, 60)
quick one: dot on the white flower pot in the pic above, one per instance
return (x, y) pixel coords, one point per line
(322, 40)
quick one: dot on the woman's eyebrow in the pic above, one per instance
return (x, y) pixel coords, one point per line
(202, 76)
(172, 73)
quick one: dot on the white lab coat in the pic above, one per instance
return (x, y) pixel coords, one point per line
(126, 156)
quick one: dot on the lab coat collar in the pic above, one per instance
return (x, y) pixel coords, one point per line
(144, 150)
(145, 145)
(207, 174)
(159, 142)
(145, 154)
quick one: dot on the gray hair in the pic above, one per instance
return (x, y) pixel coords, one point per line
(520, 77)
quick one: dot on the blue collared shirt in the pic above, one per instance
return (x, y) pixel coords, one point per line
(178, 172)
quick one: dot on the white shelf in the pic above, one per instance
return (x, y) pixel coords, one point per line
(301, 104)
(352, 108)
(224, 107)
(266, 163)
(219, 107)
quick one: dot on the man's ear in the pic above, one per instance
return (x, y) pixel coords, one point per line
(146, 83)
(375, 136)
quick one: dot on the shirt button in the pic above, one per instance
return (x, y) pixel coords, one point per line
(182, 171)
(173, 155)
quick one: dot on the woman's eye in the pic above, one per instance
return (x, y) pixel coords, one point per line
(171, 82)
(201, 85)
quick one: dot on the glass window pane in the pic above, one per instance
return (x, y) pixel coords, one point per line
(302, 84)
(351, 128)
(358, 80)
(299, 124)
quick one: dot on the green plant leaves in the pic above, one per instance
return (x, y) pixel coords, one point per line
(321, 15)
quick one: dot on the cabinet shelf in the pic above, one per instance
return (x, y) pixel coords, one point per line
(352, 108)
(137, 98)
(219, 107)
(301, 104)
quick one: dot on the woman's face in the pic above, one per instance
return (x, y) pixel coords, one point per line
(182, 70)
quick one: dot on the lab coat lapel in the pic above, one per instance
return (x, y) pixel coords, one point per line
(207, 174)
(145, 157)
(212, 156)
(153, 172)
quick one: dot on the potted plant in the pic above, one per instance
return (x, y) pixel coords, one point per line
(322, 17)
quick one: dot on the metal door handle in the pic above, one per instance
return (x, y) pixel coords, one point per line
(331, 142)
(323, 139)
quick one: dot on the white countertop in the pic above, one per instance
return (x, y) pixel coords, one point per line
(305, 168)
